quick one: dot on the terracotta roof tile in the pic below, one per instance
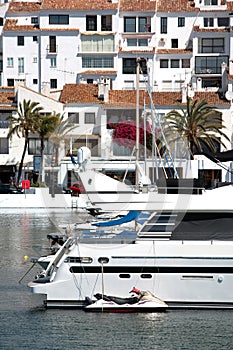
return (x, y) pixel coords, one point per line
(88, 93)
(176, 6)
(7, 98)
(78, 5)
(174, 51)
(210, 30)
(137, 5)
(99, 72)
(11, 25)
(24, 6)
(149, 50)
(80, 93)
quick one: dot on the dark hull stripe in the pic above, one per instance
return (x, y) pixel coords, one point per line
(152, 269)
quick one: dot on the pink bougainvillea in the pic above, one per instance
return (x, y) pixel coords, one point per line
(124, 134)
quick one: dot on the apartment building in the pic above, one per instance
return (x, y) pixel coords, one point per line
(60, 49)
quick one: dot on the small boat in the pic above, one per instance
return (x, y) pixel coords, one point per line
(144, 301)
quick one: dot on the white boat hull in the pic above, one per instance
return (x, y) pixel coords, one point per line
(189, 274)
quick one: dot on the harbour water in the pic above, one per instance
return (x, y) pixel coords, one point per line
(27, 324)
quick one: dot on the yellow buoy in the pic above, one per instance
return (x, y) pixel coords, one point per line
(25, 258)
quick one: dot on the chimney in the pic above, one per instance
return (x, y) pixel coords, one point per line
(103, 89)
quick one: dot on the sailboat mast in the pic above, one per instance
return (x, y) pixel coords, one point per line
(137, 123)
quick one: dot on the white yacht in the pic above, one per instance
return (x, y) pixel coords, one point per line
(182, 253)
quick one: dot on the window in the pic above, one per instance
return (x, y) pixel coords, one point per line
(163, 25)
(10, 62)
(34, 38)
(20, 40)
(91, 23)
(174, 43)
(52, 44)
(34, 20)
(90, 81)
(130, 64)
(4, 145)
(106, 23)
(10, 82)
(35, 82)
(89, 118)
(53, 62)
(92, 144)
(34, 60)
(181, 21)
(209, 65)
(74, 117)
(97, 62)
(58, 19)
(1, 21)
(208, 22)
(163, 63)
(223, 22)
(97, 43)
(142, 21)
(34, 146)
(130, 24)
(185, 63)
(211, 45)
(53, 83)
(175, 63)
(137, 42)
(210, 2)
(20, 65)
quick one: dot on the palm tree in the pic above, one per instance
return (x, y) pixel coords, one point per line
(54, 127)
(45, 126)
(22, 124)
(198, 124)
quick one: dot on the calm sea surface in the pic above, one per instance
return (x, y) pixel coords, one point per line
(26, 324)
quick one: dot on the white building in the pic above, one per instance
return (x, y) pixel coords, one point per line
(51, 48)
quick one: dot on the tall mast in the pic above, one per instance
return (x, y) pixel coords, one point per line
(137, 124)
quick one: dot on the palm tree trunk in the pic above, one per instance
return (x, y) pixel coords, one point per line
(21, 162)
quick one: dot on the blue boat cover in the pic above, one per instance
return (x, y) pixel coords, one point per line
(130, 216)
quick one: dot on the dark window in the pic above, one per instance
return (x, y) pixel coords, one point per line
(185, 63)
(34, 20)
(34, 38)
(124, 275)
(20, 40)
(210, 65)
(91, 23)
(210, 2)
(212, 45)
(163, 63)
(89, 118)
(58, 19)
(142, 24)
(130, 24)
(97, 62)
(163, 25)
(1, 21)
(74, 117)
(52, 44)
(181, 21)
(130, 64)
(34, 147)
(90, 81)
(10, 82)
(175, 43)
(4, 145)
(35, 81)
(208, 22)
(146, 275)
(53, 83)
(106, 23)
(175, 63)
(223, 22)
